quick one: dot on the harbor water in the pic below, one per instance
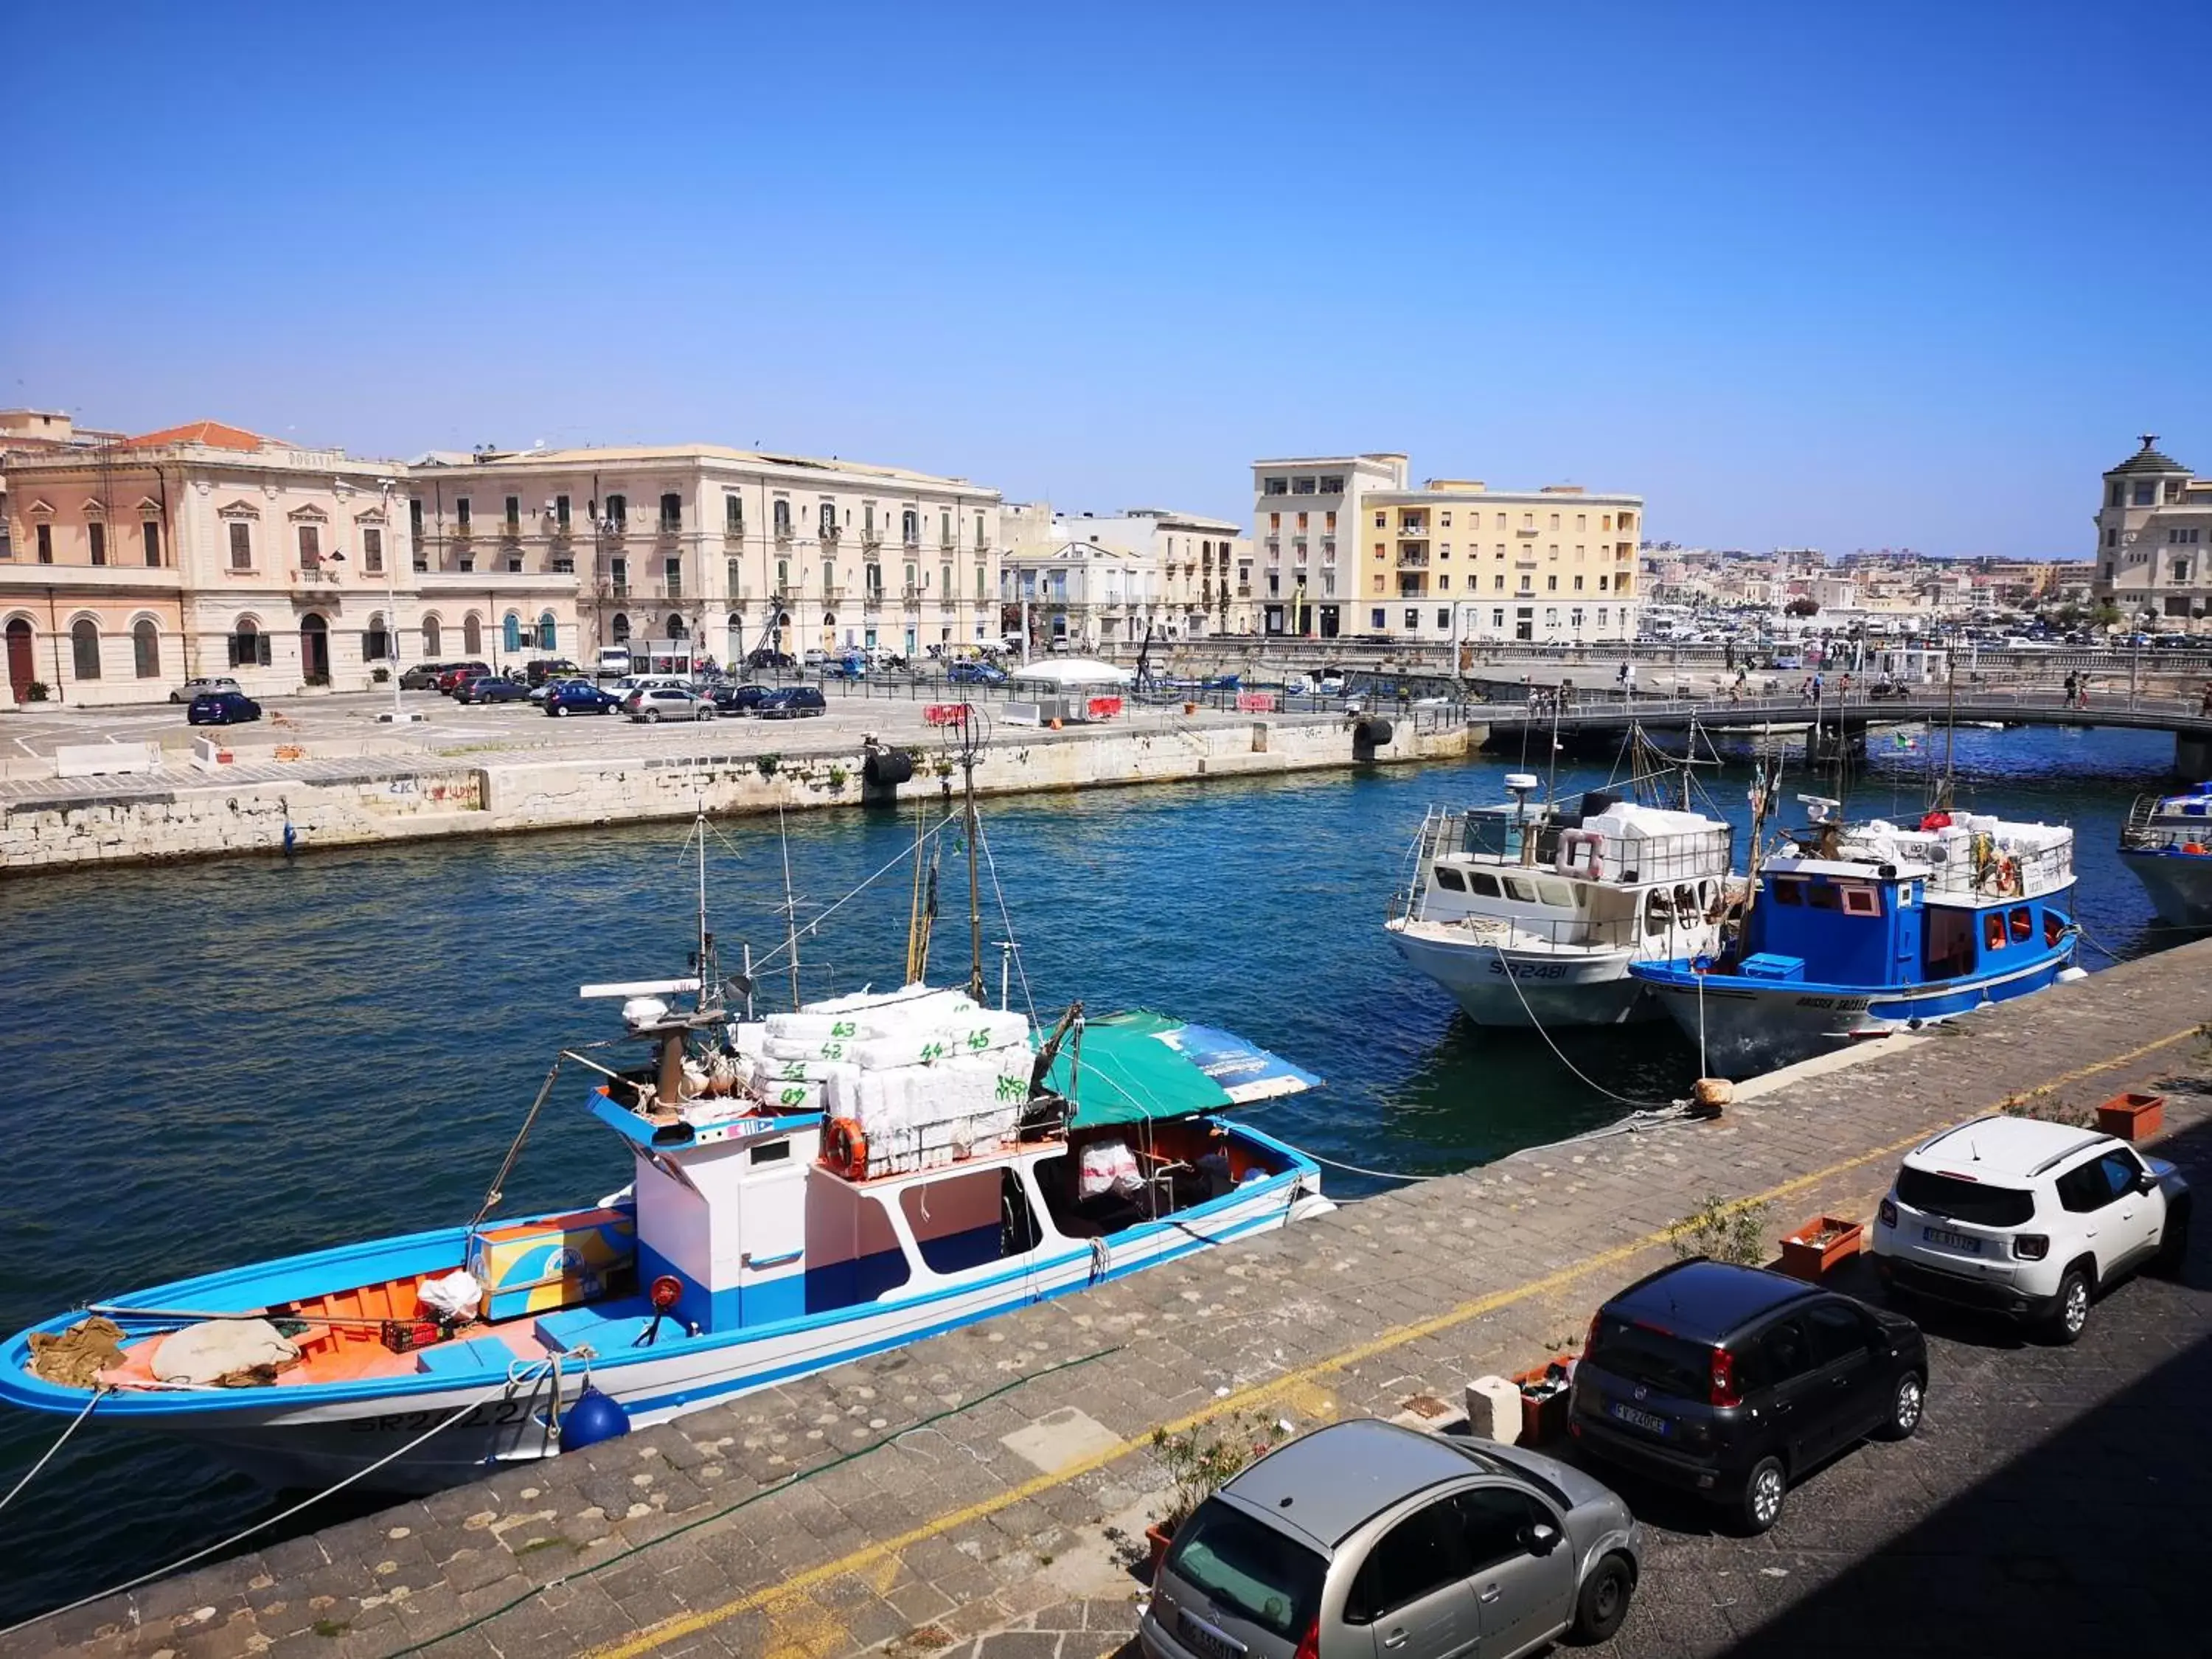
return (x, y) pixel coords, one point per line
(219, 1062)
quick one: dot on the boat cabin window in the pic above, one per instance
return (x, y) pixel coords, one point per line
(1860, 901)
(2022, 922)
(1557, 893)
(1820, 896)
(1788, 890)
(1518, 887)
(1685, 902)
(1450, 879)
(1993, 930)
(1658, 913)
(969, 1220)
(2052, 928)
(1485, 885)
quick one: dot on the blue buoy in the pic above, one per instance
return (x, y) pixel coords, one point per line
(592, 1418)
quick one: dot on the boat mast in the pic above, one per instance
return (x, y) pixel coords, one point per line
(790, 909)
(1950, 725)
(970, 739)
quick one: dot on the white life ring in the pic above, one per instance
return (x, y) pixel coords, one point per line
(1594, 866)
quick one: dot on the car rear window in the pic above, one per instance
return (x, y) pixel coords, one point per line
(1977, 1203)
(1249, 1568)
(1672, 1364)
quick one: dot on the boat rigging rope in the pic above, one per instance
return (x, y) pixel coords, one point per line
(840, 1459)
(1506, 968)
(495, 1191)
(76, 1423)
(439, 1427)
(992, 863)
(761, 963)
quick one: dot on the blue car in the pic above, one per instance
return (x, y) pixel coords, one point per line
(976, 673)
(493, 688)
(580, 697)
(790, 703)
(222, 708)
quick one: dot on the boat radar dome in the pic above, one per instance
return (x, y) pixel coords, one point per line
(641, 1011)
(1520, 782)
(1817, 807)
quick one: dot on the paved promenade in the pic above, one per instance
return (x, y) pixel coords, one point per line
(981, 1495)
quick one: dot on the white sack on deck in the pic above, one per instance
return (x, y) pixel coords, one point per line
(457, 1296)
(198, 1354)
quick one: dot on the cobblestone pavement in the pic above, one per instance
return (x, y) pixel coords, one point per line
(978, 1494)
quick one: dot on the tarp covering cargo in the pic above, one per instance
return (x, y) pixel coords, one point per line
(1141, 1065)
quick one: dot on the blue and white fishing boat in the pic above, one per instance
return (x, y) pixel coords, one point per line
(2168, 841)
(1864, 930)
(809, 1188)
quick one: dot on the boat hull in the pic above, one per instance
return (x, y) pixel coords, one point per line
(1502, 986)
(2179, 885)
(1747, 1026)
(314, 1436)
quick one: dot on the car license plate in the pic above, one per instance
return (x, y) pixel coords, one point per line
(1649, 1422)
(1951, 1241)
(1201, 1638)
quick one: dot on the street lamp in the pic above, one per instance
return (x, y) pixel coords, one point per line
(400, 714)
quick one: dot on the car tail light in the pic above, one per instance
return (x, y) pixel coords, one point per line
(1724, 1392)
(1886, 1211)
(1309, 1643)
(1590, 1338)
(2032, 1247)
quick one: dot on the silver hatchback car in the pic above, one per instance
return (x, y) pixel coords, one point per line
(1367, 1541)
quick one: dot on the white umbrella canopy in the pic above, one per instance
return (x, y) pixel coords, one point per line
(1071, 671)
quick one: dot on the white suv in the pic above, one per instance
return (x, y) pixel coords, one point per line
(2027, 1219)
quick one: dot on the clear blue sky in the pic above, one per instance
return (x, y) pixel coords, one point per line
(1850, 276)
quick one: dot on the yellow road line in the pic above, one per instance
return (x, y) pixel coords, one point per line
(797, 1586)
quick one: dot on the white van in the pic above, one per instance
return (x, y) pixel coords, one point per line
(614, 661)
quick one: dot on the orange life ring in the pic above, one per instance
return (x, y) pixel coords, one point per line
(2008, 877)
(845, 1149)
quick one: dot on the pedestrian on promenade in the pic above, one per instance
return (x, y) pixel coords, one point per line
(2204, 703)
(1567, 694)
(2073, 684)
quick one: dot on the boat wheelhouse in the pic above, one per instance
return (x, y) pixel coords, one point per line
(2168, 841)
(1531, 914)
(1877, 928)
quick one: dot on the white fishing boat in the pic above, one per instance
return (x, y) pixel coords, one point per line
(1531, 914)
(808, 1188)
(2168, 842)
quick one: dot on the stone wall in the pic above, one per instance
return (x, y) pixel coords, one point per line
(191, 821)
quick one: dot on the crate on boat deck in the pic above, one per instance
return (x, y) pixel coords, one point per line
(1766, 965)
(556, 1261)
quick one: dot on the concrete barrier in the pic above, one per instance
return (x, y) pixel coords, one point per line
(87, 760)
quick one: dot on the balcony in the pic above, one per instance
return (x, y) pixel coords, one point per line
(1413, 527)
(911, 594)
(668, 530)
(314, 577)
(733, 537)
(510, 530)
(1413, 558)
(782, 533)
(828, 534)
(873, 599)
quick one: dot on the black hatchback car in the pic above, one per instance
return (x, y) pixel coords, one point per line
(738, 699)
(1734, 1382)
(791, 702)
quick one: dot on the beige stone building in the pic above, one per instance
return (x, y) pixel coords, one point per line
(728, 549)
(1305, 515)
(2154, 542)
(1456, 559)
(131, 564)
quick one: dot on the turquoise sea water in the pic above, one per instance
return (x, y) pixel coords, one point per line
(218, 1062)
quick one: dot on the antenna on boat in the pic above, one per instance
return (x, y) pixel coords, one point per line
(971, 741)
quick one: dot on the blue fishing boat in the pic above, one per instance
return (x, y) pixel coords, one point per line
(1867, 930)
(2168, 841)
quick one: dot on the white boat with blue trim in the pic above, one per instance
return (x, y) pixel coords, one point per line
(808, 1189)
(2168, 841)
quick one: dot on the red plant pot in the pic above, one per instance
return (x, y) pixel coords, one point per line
(1159, 1540)
(1816, 1248)
(2132, 1116)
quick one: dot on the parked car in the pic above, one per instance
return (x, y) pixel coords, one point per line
(850, 666)
(460, 675)
(579, 697)
(1330, 684)
(766, 658)
(2029, 1219)
(222, 708)
(492, 688)
(1365, 1537)
(788, 702)
(1734, 1381)
(976, 673)
(540, 669)
(654, 703)
(816, 657)
(1298, 685)
(201, 685)
(740, 699)
(423, 675)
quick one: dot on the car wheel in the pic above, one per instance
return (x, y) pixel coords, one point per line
(652, 717)
(2072, 1317)
(1906, 1402)
(1764, 1490)
(173, 697)
(2174, 1243)
(554, 710)
(1602, 1602)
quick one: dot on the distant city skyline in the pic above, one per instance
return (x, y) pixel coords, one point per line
(1846, 281)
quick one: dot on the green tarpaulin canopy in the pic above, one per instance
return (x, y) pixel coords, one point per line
(1140, 1065)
